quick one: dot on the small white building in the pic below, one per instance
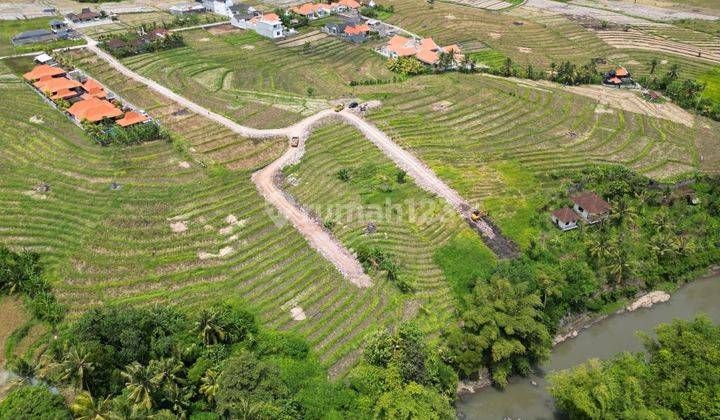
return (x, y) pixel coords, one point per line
(268, 25)
(186, 8)
(565, 218)
(221, 7)
(591, 207)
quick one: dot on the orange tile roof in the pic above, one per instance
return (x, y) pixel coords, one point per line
(357, 30)
(271, 17)
(56, 84)
(615, 81)
(401, 46)
(427, 56)
(132, 117)
(91, 84)
(621, 72)
(304, 9)
(94, 110)
(42, 71)
(64, 94)
(350, 3)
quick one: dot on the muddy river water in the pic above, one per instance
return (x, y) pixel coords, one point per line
(524, 400)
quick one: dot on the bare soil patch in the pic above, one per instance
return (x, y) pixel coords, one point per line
(441, 106)
(223, 29)
(298, 314)
(13, 316)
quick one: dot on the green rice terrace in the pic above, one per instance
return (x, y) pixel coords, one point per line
(256, 82)
(173, 232)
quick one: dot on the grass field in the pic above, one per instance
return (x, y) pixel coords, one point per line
(255, 82)
(712, 84)
(10, 28)
(106, 245)
(488, 137)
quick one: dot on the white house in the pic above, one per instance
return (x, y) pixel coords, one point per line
(565, 218)
(591, 207)
(267, 25)
(221, 7)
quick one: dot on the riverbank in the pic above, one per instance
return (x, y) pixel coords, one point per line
(529, 398)
(578, 323)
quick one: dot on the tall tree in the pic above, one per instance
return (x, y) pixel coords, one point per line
(209, 328)
(138, 381)
(85, 407)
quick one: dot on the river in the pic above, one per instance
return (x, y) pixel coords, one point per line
(523, 400)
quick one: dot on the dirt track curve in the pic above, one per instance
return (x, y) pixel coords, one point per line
(319, 238)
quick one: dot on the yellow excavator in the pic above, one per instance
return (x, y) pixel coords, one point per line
(477, 215)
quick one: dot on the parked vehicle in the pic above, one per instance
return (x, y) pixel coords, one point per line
(339, 107)
(353, 105)
(295, 141)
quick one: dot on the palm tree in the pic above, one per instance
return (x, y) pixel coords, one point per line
(177, 398)
(618, 265)
(166, 371)
(598, 247)
(74, 367)
(673, 73)
(85, 407)
(24, 368)
(138, 381)
(653, 64)
(210, 385)
(209, 328)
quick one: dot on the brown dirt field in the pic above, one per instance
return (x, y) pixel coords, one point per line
(223, 29)
(13, 315)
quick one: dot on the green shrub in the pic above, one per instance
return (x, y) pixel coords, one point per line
(34, 403)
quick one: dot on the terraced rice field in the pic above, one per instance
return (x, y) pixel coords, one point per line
(705, 52)
(540, 40)
(477, 132)
(411, 224)
(131, 21)
(250, 79)
(175, 232)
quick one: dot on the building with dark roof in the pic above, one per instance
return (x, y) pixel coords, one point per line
(565, 218)
(34, 36)
(591, 207)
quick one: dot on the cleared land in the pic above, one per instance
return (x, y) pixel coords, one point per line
(119, 246)
(9, 28)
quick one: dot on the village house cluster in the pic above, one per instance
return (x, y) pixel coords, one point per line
(425, 50)
(587, 206)
(84, 98)
(619, 78)
(139, 41)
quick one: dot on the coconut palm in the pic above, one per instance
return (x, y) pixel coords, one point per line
(166, 371)
(673, 73)
(653, 63)
(178, 399)
(210, 385)
(138, 381)
(24, 368)
(85, 407)
(209, 328)
(74, 367)
(618, 265)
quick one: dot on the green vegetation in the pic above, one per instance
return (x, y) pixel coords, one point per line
(488, 57)
(34, 403)
(134, 134)
(689, 94)
(10, 28)
(135, 46)
(21, 274)
(406, 66)
(394, 227)
(653, 236)
(676, 377)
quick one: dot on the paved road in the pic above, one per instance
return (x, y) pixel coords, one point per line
(319, 238)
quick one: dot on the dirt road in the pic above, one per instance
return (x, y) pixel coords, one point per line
(264, 179)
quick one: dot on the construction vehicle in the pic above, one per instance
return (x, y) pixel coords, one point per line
(477, 215)
(339, 107)
(295, 141)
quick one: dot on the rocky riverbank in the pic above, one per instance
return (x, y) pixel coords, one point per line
(572, 327)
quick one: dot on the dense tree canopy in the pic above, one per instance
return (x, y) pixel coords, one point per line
(676, 377)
